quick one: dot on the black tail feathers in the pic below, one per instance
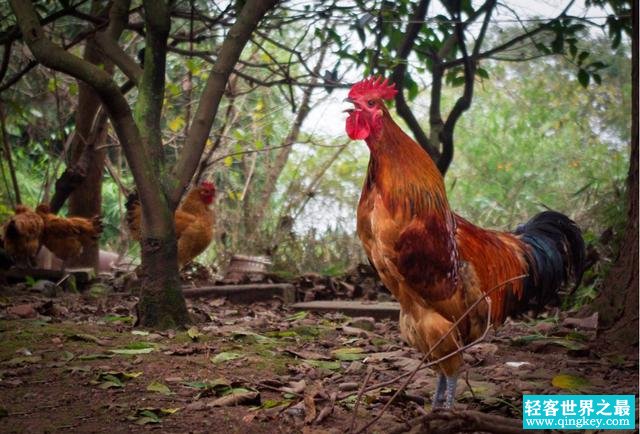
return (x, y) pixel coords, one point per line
(556, 256)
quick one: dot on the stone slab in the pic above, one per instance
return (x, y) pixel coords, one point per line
(244, 294)
(377, 310)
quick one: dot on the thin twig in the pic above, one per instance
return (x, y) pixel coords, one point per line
(484, 298)
(466, 380)
(278, 389)
(359, 397)
(451, 421)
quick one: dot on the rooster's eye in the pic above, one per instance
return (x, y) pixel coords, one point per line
(371, 103)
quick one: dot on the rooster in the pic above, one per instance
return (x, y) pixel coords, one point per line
(194, 221)
(67, 237)
(437, 264)
(22, 235)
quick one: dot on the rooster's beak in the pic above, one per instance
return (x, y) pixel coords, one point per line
(349, 110)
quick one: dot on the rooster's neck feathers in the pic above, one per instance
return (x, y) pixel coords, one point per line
(404, 173)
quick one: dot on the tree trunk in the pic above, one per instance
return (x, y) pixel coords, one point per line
(161, 305)
(618, 302)
(86, 199)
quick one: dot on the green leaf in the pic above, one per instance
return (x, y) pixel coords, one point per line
(225, 356)
(158, 387)
(297, 316)
(110, 381)
(457, 81)
(132, 351)
(558, 43)
(482, 73)
(194, 333)
(67, 356)
(145, 416)
(251, 337)
(95, 356)
(583, 55)
(598, 65)
(583, 77)
(349, 354)
(332, 366)
(272, 403)
(543, 48)
(118, 319)
(114, 379)
(597, 78)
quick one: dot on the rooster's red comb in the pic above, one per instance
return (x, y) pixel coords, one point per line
(208, 185)
(374, 87)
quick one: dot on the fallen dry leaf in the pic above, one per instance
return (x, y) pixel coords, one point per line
(243, 398)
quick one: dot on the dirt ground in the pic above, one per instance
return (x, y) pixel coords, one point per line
(75, 363)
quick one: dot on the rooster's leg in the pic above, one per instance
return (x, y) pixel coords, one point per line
(451, 391)
(439, 395)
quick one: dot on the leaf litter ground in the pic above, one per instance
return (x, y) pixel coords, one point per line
(75, 363)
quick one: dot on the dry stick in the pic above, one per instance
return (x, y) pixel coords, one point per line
(466, 380)
(423, 365)
(442, 338)
(277, 389)
(463, 421)
(360, 393)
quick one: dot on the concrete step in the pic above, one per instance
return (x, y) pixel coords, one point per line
(244, 294)
(377, 310)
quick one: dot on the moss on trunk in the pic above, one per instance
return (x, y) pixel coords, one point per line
(161, 305)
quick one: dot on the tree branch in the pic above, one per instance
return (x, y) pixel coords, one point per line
(464, 102)
(55, 57)
(107, 41)
(402, 108)
(251, 14)
(13, 33)
(6, 55)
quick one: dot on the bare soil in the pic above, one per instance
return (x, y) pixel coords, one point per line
(75, 363)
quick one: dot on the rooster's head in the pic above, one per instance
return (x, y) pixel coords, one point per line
(207, 191)
(368, 96)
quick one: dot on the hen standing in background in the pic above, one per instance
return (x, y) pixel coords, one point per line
(67, 237)
(436, 263)
(22, 235)
(194, 221)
